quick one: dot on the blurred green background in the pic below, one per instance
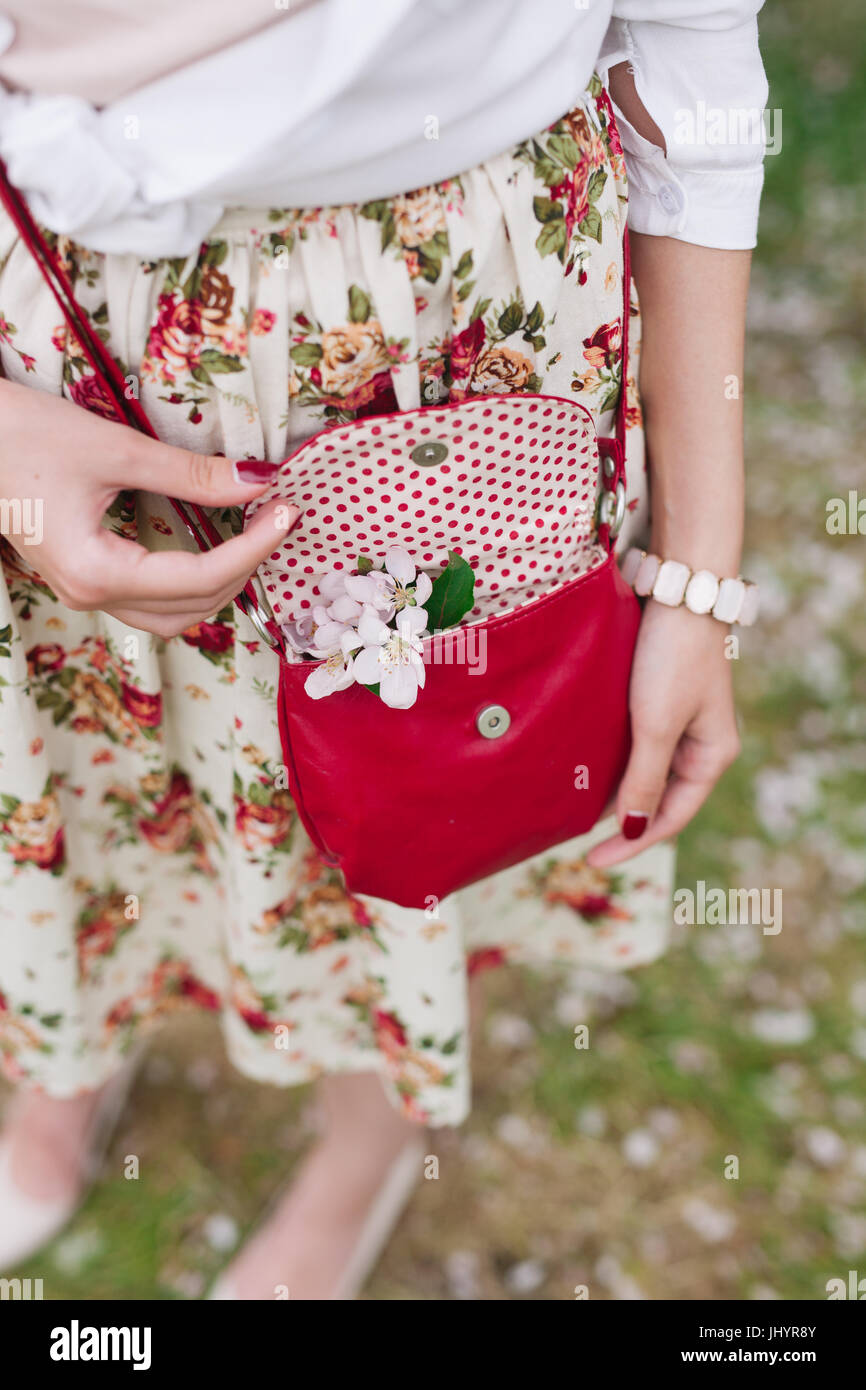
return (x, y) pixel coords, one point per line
(606, 1167)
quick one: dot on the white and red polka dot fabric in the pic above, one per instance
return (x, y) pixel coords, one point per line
(513, 489)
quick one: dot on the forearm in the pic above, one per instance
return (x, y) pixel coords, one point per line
(693, 305)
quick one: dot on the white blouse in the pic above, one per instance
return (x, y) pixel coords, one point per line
(345, 101)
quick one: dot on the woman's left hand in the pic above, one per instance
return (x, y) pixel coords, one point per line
(684, 730)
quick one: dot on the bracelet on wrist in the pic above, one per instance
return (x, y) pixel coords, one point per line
(672, 583)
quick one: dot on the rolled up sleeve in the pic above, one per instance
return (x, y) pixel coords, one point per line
(698, 72)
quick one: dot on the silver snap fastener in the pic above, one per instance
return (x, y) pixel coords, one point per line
(493, 721)
(609, 466)
(425, 455)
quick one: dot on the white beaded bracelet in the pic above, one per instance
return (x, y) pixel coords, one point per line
(672, 583)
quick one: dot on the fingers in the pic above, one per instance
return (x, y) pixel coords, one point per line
(213, 481)
(680, 802)
(672, 796)
(161, 625)
(116, 572)
(645, 778)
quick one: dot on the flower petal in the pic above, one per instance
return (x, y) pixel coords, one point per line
(398, 687)
(350, 641)
(329, 677)
(423, 588)
(367, 667)
(361, 588)
(332, 585)
(411, 621)
(328, 637)
(399, 564)
(371, 629)
(345, 609)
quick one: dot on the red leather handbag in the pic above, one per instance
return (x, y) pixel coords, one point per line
(490, 766)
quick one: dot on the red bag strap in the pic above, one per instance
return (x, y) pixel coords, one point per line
(127, 408)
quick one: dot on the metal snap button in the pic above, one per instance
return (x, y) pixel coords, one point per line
(425, 455)
(493, 721)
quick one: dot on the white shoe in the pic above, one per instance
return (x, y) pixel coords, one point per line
(385, 1211)
(28, 1223)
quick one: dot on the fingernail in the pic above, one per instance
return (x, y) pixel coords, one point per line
(246, 471)
(634, 825)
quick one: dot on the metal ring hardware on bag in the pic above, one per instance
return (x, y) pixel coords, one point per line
(612, 509)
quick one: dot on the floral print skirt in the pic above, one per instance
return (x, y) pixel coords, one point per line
(151, 860)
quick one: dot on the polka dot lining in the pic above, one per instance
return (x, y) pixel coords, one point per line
(515, 495)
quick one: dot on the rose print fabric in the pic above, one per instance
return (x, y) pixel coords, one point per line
(151, 859)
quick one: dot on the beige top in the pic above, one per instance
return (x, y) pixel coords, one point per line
(101, 49)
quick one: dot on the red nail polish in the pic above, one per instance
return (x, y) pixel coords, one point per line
(634, 825)
(254, 471)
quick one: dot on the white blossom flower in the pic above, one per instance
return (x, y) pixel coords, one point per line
(396, 588)
(334, 673)
(392, 657)
(299, 633)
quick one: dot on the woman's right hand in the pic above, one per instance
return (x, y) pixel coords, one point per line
(75, 464)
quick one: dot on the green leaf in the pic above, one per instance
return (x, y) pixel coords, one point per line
(546, 209)
(479, 310)
(306, 354)
(389, 230)
(376, 210)
(49, 699)
(452, 594)
(465, 290)
(259, 795)
(199, 374)
(535, 318)
(463, 266)
(216, 253)
(359, 305)
(510, 319)
(565, 149)
(373, 688)
(551, 240)
(215, 361)
(192, 285)
(596, 184)
(364, 564)
(591, 225)
(62, 712)
(547, 171)
(430, 266)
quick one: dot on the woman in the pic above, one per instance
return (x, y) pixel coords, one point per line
(229, 198)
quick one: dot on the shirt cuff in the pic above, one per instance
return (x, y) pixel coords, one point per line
(717, 209)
